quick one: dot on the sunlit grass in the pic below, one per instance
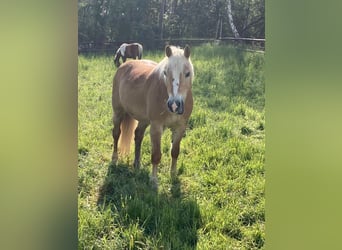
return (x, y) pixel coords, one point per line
(218, 200)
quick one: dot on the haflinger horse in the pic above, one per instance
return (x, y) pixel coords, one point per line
(132, 50)
(156, 94)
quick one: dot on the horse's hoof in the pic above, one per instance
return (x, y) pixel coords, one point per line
(114, 159)
(173, 175)
(136, 165)
(154, 183)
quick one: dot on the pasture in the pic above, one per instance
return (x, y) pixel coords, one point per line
(218, 199)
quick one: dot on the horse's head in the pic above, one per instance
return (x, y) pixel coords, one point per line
(178, 73)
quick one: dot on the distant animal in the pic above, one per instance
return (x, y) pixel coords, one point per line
(158, 94)
(128, 50)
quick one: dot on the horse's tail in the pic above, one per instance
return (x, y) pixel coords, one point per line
(117, 58)
(127, 127)
(140, 48)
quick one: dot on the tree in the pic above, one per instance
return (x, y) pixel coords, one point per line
(249, 17)
(147, 21)
(161, 17)
(230, 18)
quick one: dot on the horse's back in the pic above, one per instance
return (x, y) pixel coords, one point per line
(130, 87)
(135, 68)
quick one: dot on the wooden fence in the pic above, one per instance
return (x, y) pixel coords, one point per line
(253, 44)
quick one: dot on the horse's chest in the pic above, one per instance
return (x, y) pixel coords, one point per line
(174, 120)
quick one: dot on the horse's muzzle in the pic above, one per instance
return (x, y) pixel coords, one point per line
(175, 105)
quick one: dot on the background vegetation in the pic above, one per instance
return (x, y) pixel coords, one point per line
(101, 21)
(218, 200)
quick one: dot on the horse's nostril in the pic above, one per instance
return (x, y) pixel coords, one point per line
(180, 109)
(170, 105)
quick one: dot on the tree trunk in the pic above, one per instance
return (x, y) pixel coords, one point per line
(161, 17)
(231, 22)
(219, 28)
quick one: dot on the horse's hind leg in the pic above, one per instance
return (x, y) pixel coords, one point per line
(138, 137)
(177, 136)
(117, 118)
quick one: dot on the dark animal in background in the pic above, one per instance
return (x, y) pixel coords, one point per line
(128, 50)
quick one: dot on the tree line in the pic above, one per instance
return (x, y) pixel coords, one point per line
(149, 21)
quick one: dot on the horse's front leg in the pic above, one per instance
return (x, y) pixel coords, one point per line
(177, 135)
(156, 131)
(138, 137)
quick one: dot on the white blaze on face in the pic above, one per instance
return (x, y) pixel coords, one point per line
(175, 86)
(173, 73)
(177, 68)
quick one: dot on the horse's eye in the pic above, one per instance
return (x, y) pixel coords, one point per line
(164, 73)
(187, 74)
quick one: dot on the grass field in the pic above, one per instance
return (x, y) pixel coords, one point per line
(218, 199)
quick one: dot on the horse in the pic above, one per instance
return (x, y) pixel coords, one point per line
(132, 50)
(157, 94)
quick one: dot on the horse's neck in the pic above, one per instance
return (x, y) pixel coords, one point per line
(157, 82)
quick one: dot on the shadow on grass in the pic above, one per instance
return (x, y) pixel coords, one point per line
(162, 220)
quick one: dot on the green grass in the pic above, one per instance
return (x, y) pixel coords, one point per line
(217, 201)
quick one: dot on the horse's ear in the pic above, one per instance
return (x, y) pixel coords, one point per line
(187, 51)
(168, 51)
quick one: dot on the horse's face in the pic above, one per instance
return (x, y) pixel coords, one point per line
(178, 74)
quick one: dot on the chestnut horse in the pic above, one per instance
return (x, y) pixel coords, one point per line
(156, 94)
(132, 50)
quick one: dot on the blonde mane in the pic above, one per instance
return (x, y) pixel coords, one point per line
(173, 61)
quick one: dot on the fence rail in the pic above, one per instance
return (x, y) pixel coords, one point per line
(253, 44)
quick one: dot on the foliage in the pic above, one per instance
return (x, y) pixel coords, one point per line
(102, 21)
(217, 200)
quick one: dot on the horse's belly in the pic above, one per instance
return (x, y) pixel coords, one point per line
(133, 102)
